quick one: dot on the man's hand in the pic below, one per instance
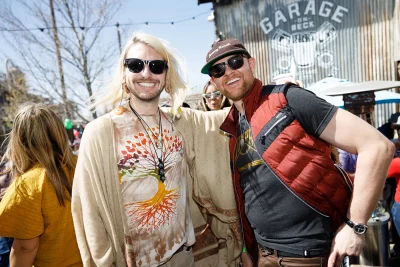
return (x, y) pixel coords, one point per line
(345, 243)
(290, 79)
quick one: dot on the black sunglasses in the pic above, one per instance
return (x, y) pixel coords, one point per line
(136, 65)
(218, 70)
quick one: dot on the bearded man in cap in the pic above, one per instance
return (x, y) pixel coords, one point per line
(296, 206)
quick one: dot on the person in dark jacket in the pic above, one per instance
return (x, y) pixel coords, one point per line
(388, 128)
(296, 207)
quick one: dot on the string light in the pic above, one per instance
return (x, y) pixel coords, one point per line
(42, 29)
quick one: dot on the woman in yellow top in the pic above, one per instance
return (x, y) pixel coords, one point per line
(36, 209)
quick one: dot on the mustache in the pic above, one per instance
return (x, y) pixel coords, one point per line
(131, 85)
(151, 80)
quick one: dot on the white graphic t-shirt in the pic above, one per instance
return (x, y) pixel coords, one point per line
(157, 212)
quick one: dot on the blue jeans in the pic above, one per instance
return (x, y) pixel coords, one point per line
(396, 215)
(5, 248)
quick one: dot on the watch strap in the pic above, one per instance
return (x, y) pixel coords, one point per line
(358, 228)
(348, 222)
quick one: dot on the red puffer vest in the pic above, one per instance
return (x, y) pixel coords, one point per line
(300, 160)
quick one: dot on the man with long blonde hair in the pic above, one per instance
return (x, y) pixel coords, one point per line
(139, 166)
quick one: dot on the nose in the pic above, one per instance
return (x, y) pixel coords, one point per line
(146, 73)
(228, 69)
(213, 97)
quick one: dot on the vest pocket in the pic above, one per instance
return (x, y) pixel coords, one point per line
(274, 127)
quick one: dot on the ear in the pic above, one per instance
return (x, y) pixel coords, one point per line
(123, 85)
(167, 85)
(167, 88)
(213, 82)
(126, 89)
(252, 64)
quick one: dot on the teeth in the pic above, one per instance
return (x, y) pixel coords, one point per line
(147, 84)
(233, 80)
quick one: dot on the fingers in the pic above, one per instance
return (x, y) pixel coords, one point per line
(332, 259)
(335, 259)
(283, 81)
(300, 83)
(290, 80)
(339, 260)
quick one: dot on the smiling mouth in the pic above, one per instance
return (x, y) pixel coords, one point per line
(147, 84)
(232, 81)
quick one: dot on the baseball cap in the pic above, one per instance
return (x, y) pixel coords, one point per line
(222, 49)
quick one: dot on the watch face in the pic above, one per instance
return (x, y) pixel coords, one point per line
(360, 229)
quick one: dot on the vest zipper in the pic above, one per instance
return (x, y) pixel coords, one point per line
(273, 125)
(279, 179)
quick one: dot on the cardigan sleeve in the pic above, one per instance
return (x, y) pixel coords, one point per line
(210, 170)
(92, 208)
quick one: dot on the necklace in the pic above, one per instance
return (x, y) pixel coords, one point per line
(240, 130)
(158, 144)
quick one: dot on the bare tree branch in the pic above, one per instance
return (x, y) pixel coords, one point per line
(80, 28)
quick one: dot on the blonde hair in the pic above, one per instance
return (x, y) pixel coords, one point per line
(38, 136)
(224, 103)
(175, 84)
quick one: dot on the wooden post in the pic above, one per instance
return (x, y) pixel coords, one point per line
(67, 113)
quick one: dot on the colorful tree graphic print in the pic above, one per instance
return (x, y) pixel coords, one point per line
(140, 160)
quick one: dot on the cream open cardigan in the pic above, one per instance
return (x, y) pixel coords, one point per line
(96, 197)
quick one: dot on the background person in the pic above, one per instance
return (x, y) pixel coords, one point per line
(388, 128)
(5, 249)
(5, 242)
(394, 172)
(212, 99)
(391, 193)
(36, 208)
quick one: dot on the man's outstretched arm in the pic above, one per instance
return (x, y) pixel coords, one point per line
(375, 152)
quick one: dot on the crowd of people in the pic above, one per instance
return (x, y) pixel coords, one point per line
(255, 169)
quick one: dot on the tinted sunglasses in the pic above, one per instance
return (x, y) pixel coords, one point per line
(136, 65)
(218, 70)
(215, 94)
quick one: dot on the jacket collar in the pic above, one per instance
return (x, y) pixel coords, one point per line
(250, 101)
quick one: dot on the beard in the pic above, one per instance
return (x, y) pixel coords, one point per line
(146, 96)
(238, 94)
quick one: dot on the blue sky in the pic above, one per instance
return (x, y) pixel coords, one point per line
(191, 38)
